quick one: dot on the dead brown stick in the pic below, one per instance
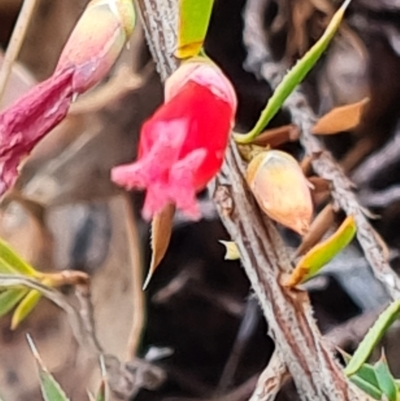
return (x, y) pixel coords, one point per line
(316, 374)
(323, 163)
(138, 301)
(17, 38)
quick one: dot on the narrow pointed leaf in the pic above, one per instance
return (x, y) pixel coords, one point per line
(275, 137)
(385, 379)
(384, 321)
(10, 298)
(12, 259)
(91, 397)
(340, 119)
(232, 251)
(317, 257)
(318, 229)
(161, 230)
(6, 268)
(366, 371)
(51, 390)
(194, 18)
(25, 307)
(294, 77)
(367, 387)
(101, 395)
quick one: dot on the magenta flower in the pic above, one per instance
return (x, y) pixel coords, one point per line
(182, 145)
(25, 122)
(92, 49)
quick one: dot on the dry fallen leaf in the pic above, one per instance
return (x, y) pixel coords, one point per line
(319, 184)
(161, 230)
(277, 136)
(339, 119)
(318, 228)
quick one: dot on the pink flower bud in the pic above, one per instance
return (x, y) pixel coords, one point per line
(281, 189)
(182, 145)
(97, 41)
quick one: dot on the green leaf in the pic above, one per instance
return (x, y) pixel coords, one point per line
(321, 254)
(9, 258)
(365, 378)
(9, 298)
(366, 371)
(294, 77)
(25, 307)
(385, 379)
(374, 335)
(51, 390)
(194, 18)
(101, 395)
(367, 387)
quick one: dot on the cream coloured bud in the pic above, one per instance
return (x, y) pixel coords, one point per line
(281, 189)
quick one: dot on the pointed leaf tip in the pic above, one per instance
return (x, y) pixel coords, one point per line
(161, 231)
(321, 254)
(341, 119)
(294, 77)
(51, 390)
(25, 308)
(374, 335)
(14, 261)
(385, 378)
(194, 18)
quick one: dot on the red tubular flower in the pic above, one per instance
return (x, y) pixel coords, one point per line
(182, 145)
(25, 122)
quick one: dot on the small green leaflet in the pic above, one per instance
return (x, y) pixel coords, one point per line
(10, 298)
(51, 390)
(25, 307)
(10, 258)
(385, 379)
(365, 378)
(321, 254)
(12, 264)
(101, 395)
(294, 77)
(384, 321)
(194, 17)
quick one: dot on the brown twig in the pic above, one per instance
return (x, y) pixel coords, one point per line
(288, 313)
(276, 374)
(81, 327)
(316, 374)
(17, 38)
(271, 380)
(138, 301)
(323, 163)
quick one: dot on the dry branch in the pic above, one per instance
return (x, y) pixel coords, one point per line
(316, 374)
(260, 60)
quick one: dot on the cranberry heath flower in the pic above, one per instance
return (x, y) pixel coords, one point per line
(182, 145)
(91, 50)
(97, 41)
